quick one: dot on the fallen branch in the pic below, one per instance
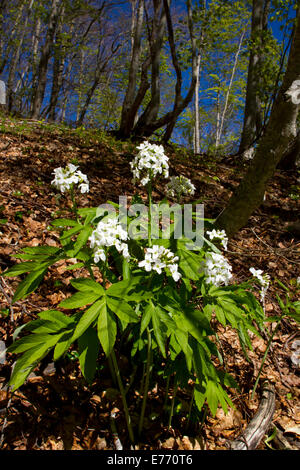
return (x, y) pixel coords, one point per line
(259, 425)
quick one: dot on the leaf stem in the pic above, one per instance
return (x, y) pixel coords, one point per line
(147, 379)
(173, 402)
(123, 395)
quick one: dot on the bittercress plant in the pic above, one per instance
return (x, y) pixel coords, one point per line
(158, 296)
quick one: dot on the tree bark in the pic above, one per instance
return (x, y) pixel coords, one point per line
(280, 132)
(44, 60)
(58, 68)
(128, 114)
(252, 116)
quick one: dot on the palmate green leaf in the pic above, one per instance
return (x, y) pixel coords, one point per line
(89, 346)
(122, 309)
(80, 299)
(107, 329)
(41, 326)
(89, 317)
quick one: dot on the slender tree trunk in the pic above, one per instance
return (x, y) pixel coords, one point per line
(252, 115)
(128, 114)
(279, 137)
(197, 117)
(16, 57)
(58, 68)
(222, 119)
(44, 60)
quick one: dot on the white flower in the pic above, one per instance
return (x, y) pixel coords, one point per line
(108, 233)
(150, 162)
(158, 258)
(180, 185)
(64, 178)
(217, 270)
(298, 281)
(219, 235)
(294, 92)
(263, 279)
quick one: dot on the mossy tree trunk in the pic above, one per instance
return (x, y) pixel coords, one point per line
(279, 135)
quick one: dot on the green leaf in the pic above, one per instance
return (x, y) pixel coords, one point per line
(189, 263)
(56, 316)
(63, 345)
(29, 284)
(88, 285)
(158, 329)
(27, 342)
(64, 223)
(22, 268)
(69, 233)
(80, 299)
(107, 329)
(212, 396)
(88, 353)
(146, 318)
(122, 309)
(29, 360)
(88, 317)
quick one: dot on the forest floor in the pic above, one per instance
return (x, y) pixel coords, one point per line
(55, 409)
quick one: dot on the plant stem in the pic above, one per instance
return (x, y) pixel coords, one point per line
(147, 378)
(167, 391)
(173, 402)
(73, 198)
(265, 355)
(149, 212)
(123, 395)
(190, 411)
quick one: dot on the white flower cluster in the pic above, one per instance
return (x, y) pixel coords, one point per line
(217, 270)
(149, 162)
(108, 233)
(219, 235)
(64, 178)
(263, 279)
(158, 258)
(180, 185)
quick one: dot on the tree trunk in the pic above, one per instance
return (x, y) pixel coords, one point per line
(15, 59)
(44, 60)
(128, 116)
(58, 68)
(252, 116)
(291, 158)
(222, 120)
(279, 134)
